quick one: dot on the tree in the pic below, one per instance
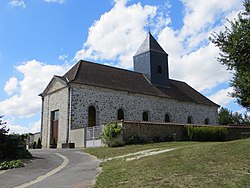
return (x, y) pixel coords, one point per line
(227, 117)
(234, 45)
(3, 128)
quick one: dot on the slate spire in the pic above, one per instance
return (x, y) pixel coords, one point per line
(152, 61)
(150, 44)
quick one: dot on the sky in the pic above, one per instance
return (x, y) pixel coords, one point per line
(42, 38)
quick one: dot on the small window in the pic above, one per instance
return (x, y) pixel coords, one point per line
(91, 116)
(207, 121)
(145, 116)
(167, 118)
(159, 69)
(55, 115)
(189, 120)
(120, 114)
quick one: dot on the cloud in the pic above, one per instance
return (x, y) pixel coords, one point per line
(31, 128)
(11, 85)
(55, 1)
(62, 57)
(17, 3)
(117, 34)
(25, 102)
(222, 97)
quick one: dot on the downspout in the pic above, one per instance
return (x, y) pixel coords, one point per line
(69, 113)
(41, 133)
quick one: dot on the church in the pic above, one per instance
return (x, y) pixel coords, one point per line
(92, 94)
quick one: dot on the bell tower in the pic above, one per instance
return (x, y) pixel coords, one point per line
(152, 61)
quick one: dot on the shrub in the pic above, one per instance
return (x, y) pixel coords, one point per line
(205, 133)
(39, 143)
(34, 145)
(112, 135)
(11, 164)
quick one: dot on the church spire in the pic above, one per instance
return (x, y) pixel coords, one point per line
(152, 61)
(150, 44)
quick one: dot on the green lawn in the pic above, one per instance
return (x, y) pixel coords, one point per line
(192, 164)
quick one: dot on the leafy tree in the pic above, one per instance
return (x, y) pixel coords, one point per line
(3, 128)
(227, 117)
(234, 45)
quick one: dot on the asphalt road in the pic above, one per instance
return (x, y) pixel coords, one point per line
(64, 168)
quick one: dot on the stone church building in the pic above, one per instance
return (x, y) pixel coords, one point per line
(91, 94)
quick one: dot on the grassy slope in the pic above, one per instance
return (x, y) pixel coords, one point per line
(204, 164)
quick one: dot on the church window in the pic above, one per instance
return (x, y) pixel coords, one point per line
(159, 69)
(145, 116)
(120, 114)
(167, 118)
(207, 121)
(92, 116)
(55, 115)
(189, 120)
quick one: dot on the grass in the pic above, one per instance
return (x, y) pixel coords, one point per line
(193, 164)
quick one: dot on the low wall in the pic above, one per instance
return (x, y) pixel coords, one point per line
(77, 136)
(150, 131)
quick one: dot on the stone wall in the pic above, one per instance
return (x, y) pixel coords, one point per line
(107, 102)
(55, 99)
(149, 131)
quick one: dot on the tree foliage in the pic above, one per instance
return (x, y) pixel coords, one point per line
(234, 45)
(3, 129)
(227, 117)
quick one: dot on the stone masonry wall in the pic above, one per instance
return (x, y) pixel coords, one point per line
(107, 102)
(55, 101)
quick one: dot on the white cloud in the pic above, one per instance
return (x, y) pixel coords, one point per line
(17, 3)
(55, 1)
(11, 85)
(62, 57)
(117, 34)
(25, 102)
(222, 97)
(18, 129)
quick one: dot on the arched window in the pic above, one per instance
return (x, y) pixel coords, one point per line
(189, 120)
(207, 121)
(167, 118)
(145, 116)
(91, 116)
(120, 114)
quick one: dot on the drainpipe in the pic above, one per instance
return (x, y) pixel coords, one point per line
(69, 113)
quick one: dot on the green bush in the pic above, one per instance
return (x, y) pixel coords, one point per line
(112, 135)
(39, 143)
(205, 133)
(11, 164)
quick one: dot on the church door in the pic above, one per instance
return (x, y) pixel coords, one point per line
(54, 125)
(91, 116)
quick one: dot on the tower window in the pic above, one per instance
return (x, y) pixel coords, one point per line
(159, 69)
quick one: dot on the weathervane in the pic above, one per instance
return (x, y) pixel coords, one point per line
(148, 24)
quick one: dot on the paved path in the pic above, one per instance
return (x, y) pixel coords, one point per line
(53, 168)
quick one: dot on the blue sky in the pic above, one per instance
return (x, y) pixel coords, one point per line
(41, 38)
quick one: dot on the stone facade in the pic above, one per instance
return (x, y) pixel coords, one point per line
(107, 102)
(55, 99)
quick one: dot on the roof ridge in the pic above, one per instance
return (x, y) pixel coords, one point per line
(109, 66)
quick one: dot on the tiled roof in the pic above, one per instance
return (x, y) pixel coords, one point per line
(94, 74)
